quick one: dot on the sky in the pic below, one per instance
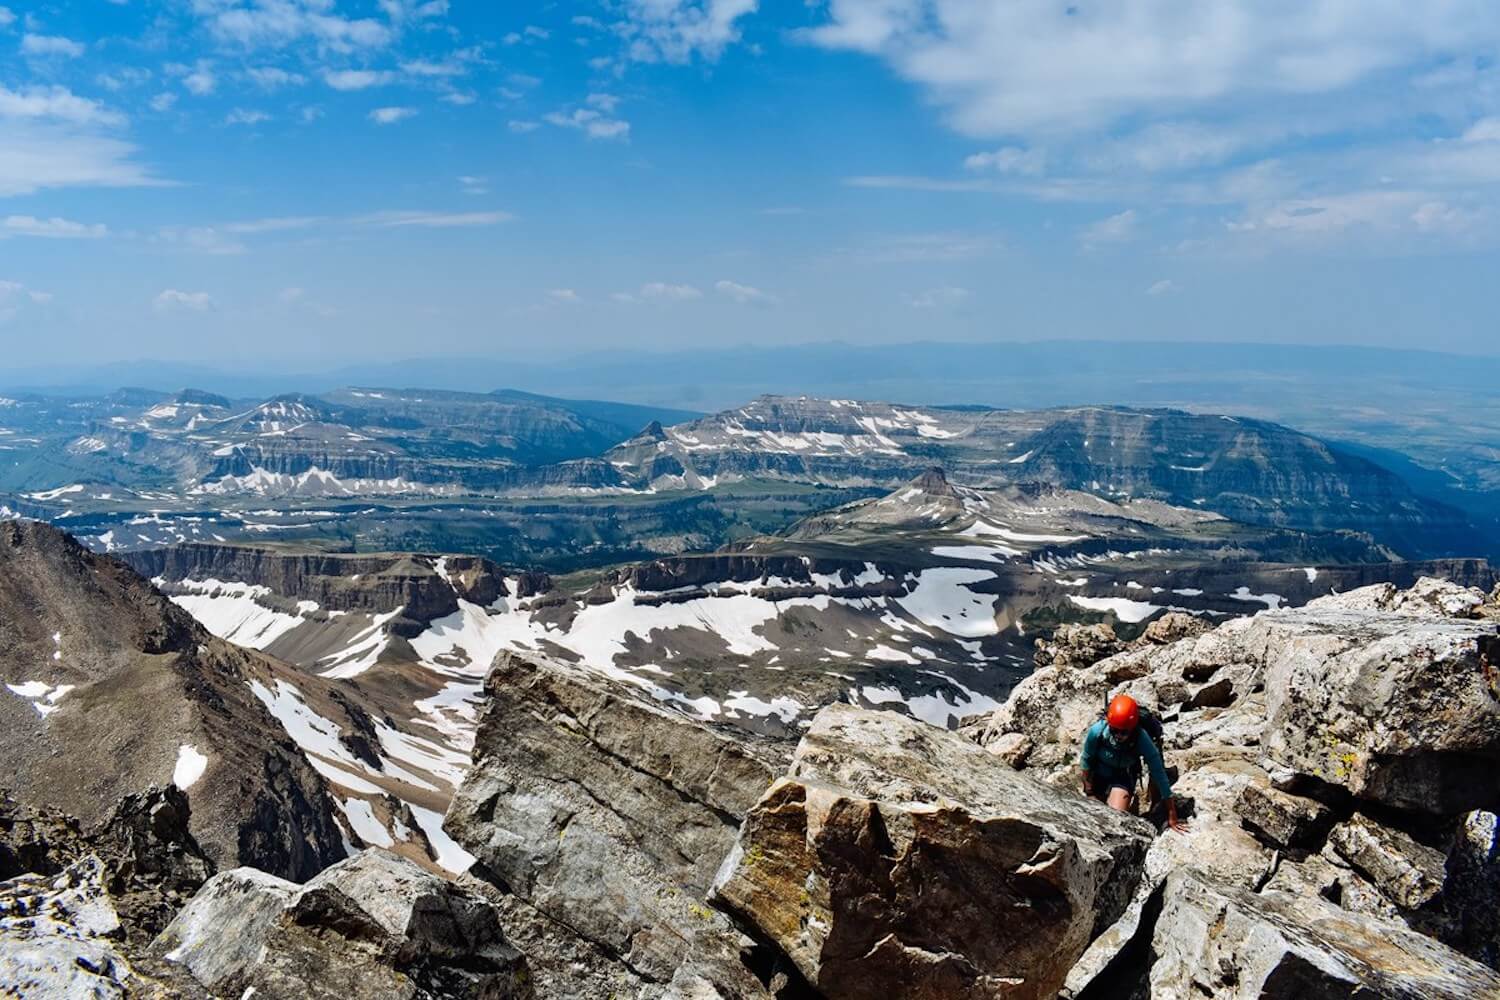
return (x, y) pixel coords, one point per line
(321, 181)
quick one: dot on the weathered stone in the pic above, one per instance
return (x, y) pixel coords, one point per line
(1407, 873)
(55, 936)
(373, 927)
(896, 859)
(1395, 708)
(1214, 843)
(1471, 887)
(1282, 819)
(1074, 646)
(1428, 597)
(1173, 627)
(1012, 748)
(609, 814)
(1228, 943)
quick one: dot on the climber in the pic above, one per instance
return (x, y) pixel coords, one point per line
(1113, 749)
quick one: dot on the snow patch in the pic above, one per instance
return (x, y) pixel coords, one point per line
(190, 767)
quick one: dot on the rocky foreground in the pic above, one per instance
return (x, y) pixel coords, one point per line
(1338, 764)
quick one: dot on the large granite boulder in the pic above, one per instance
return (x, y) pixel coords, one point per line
(374, 927)
(1399, 709)
(609, 814)
(899, 860)
(1215, 941)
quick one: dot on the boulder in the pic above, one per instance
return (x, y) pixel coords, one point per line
(609, 814)
(1281, 819)
(899, 860)
(1407, 873)
(1074, 646)
(1217, 941)
(1471, 887)
(374, 927)
(1395, 708)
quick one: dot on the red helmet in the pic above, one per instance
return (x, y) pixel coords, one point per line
(1124, 714)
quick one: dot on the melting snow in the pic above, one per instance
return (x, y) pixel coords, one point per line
(230, 611)
(449, 854)
(1272, 601)
(362, 819)
(942, 599)
(190, 767)
(1125, 610)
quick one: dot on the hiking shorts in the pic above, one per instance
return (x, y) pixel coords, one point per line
(1103, 786)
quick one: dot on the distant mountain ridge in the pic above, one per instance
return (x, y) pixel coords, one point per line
(192, 455)
(1249, 470)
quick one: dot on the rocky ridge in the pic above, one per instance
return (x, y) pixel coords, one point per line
(110, 689)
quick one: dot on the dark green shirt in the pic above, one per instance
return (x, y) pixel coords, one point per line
(1109, 761)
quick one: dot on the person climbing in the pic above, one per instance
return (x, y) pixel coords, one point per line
(1113, 749)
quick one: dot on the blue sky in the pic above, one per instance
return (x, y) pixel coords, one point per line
(225, 180)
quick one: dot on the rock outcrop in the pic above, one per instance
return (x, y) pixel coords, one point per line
(1328, 758)
(608, 815)
(374, 927)
(897, 859)
(1213, 940)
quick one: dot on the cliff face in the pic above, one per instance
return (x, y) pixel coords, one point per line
(375, 583)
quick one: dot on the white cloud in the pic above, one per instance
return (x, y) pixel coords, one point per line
(54, 228)
(662, 291)
(937, 298)
(517, 125)
(592, 123)
(50, 45)
(36, 156)
(201, 81)
(1116, 228)
(278, 23)
(275, 224)
(14, 297)
(458, 98)
(56, 103)
(210, 240)
(743, 294)
(1035, 66)
(7, 18)
(675, 31)
(122, 77)
(1364, 214)
(435, 220)
(246, 116)
(563, 295)
(1162, 287)
(474, 185)
(292, 294)
(357, 79)
(171, 299)
(1009, 160)
(163, 101)
(389, 116)
(274, 77)
(604, 102)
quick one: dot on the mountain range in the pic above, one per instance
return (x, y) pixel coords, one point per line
(420, 468)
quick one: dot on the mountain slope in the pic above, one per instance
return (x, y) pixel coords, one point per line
(109, 688)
